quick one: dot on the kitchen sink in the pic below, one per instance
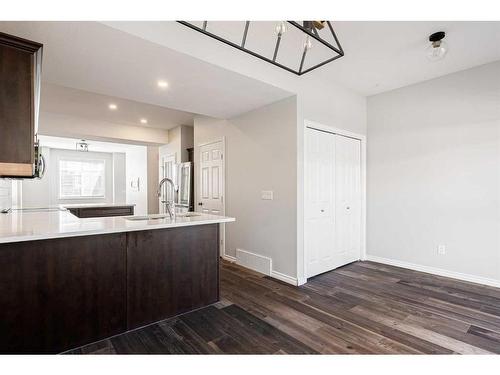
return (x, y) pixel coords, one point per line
(147, 217)
(188, 214)
(160, 216)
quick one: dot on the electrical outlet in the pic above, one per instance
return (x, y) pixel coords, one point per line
(267, 195)
(442, 250)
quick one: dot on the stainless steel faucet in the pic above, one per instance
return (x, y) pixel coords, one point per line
(169, 205)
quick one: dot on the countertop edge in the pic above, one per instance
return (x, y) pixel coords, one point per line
(41, 237)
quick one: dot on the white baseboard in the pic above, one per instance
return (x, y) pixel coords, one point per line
(261, 264)
(254, 261)
(435, 271)
(285, 278)
(301, 281)
(229, 258)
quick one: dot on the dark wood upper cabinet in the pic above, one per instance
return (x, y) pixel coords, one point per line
(20, 68)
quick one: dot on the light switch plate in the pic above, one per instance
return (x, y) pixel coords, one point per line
(267, 195)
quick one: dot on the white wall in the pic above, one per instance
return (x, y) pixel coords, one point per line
(261, 148)
(119, 177)
(5, 194)
(37, 192)
(434, 173)
(136, 168)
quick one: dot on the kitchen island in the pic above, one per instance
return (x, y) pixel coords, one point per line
(67, 281)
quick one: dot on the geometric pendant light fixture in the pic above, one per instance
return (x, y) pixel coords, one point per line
(296, 46)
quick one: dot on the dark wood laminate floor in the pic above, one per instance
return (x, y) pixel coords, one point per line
(362, 308)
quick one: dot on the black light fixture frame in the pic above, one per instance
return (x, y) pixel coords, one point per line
(309, 31)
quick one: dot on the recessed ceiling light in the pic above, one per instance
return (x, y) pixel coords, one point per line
(144, 121)
(162, 84)
(112, 106)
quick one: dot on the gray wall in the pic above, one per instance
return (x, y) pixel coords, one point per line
(434, 173)
(261, 154)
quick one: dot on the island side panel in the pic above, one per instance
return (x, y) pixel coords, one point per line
(171, 271)
(61, 293)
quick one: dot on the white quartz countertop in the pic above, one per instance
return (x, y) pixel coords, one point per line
(18, 226)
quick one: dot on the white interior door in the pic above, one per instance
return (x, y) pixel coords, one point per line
(211, 184)
(347, 199)
(332, 228)
(319, 235)
(211, 188)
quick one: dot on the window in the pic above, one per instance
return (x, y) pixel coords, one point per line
(81, 179)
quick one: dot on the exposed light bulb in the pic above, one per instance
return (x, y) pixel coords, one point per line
(112, 106)
(308, 43)
(438, 48)
(281, 28)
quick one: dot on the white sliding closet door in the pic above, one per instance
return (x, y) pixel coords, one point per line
(332, 201)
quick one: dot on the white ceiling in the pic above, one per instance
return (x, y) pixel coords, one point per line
(73, 102)
(379, 56)
(93, 57)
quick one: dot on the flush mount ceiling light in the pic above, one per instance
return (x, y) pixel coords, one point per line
(438, 48)
(162, 84)
(296, 46)
(112, 106)
(144, 121)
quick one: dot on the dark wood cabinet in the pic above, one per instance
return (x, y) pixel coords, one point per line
(61, 293)
(170, 272)
(58, 294)
(83, 212)
(20, 65)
